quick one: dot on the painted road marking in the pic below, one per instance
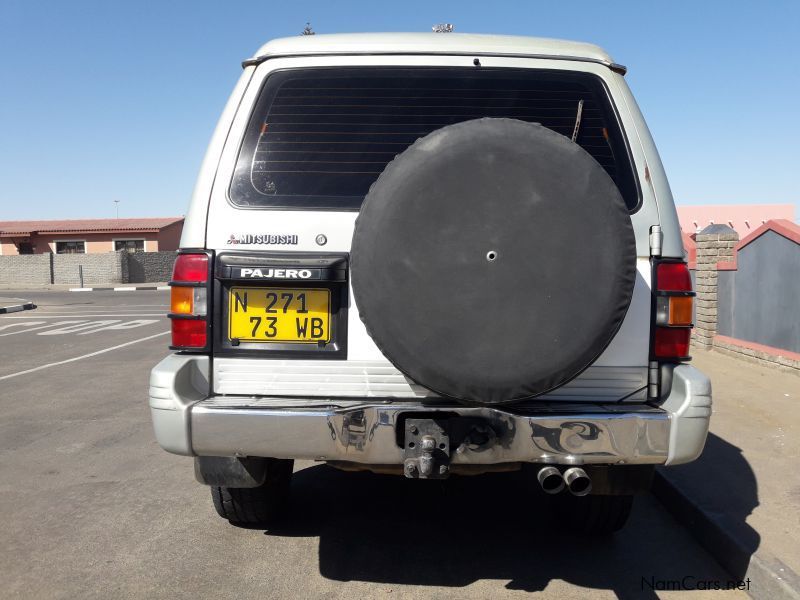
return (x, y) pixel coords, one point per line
(89, 306)
(69, 360)
(23, 324)
(41, 327)
(77, 328)
(91, 315)
(121, 326)
(147, 288)
(99, 309)
(95, 326)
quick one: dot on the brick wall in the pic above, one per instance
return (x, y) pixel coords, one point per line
(714, 244)
(98, 269)
(759, 292)
(146, 267)
(26, 268)
(108, 267)
(747, 293)
(759, 354)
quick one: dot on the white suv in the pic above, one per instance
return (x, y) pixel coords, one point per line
(431, 254)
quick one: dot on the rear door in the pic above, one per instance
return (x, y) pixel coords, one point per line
(309, 139)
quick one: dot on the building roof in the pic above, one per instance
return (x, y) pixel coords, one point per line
(26, 228)
(431, 43)
(782, 227)
(742, 218)
(789, 230)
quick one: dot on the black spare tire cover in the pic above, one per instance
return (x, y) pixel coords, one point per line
(493, 260)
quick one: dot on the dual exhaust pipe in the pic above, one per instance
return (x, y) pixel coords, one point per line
(574, 479)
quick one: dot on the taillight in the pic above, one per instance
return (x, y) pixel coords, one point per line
(189, 301)
(673, 315)
(188, 333)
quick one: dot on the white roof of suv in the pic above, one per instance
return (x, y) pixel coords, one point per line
(432, 43)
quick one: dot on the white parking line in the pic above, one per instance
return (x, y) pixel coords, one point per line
(56, 324)
(84, 326)
(121, 326)
(146, 288)
(115, 306)
(73, 315)
(23, 324)
(69, 360)
(79, 327)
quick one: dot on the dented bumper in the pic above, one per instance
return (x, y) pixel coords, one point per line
(366, 431)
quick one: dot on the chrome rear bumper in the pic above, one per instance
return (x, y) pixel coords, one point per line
(364, 431)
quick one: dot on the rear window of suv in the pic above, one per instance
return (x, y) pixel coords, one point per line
(319, 138)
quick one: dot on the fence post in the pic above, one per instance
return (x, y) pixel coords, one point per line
(715, 243)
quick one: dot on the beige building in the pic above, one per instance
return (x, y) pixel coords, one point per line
(89, 236)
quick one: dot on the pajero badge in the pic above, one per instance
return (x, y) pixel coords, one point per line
(271, 273)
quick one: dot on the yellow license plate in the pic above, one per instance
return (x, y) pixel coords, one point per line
(300, 316)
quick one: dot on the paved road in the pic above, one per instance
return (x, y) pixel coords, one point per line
(92, 508)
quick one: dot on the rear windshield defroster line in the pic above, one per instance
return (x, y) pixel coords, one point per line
(318, 138)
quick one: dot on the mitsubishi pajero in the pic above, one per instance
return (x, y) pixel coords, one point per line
(431, 255)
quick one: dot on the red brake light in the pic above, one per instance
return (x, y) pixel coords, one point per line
(189, 302)
(191, 267)
(189, 333)
(674, 307)
(673, 277)
(671, 342)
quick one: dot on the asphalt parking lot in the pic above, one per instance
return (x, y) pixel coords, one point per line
(91, 506)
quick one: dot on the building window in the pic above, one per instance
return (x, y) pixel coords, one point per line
(129, 245)
(70, 248)
(25, 248)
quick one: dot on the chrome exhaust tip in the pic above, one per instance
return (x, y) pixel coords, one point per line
(578, 482)
(550, 479)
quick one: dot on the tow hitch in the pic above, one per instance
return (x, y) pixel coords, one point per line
(427, 450)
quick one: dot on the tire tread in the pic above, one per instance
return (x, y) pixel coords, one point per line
(255, 506)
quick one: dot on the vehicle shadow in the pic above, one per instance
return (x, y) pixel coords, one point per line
(387, 529)
(722, 484)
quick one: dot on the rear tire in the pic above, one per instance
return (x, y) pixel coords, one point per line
(262, 505)
(597, 515)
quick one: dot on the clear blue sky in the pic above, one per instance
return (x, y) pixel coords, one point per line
(104, 100)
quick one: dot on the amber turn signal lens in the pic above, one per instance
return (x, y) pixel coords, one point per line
(181, 300)
(680, 310)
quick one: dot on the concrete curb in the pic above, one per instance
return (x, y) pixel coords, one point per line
(126, 288)
(12, 308)
(769, 577)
